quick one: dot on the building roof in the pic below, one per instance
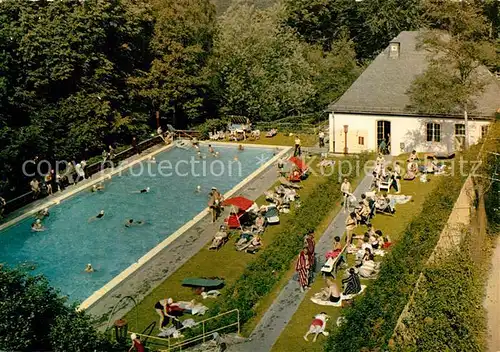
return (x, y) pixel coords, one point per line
(382, 87)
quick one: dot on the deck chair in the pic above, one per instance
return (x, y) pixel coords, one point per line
(289, 184)
(384, 186)
(332, 265)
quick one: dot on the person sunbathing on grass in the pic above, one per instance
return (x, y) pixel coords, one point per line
(352, 284)
(368, 268)
(331, 292)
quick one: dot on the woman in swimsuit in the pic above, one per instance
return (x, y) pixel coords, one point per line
(98, 216)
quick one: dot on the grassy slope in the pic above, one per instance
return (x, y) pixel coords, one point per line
(291, 338)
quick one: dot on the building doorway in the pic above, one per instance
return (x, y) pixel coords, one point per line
(384, 136)
(459, 137)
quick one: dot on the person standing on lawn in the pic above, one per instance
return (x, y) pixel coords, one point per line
(302, 267)
(311, 245)
(321, 137)
(297, 151)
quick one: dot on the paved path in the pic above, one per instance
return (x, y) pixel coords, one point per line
(492, 301)
(286, 304)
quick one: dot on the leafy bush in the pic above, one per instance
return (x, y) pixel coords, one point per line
(263, 273)
(447, 313)
(33, 317)
(373, 316)
(210, 126)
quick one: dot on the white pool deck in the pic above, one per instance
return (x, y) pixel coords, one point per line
(155, 270)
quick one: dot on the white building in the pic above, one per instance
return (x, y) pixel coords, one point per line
(376, 107)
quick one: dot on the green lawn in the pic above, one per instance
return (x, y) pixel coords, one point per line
(292, 337)
(306, 140)
(226, 263)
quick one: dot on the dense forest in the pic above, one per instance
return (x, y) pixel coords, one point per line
(79, 75)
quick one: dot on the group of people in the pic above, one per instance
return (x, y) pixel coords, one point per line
(390, 176)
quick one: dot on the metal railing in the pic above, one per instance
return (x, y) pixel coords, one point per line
(27, 198)
(201, 338)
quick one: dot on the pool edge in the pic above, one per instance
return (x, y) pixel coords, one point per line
(120, 278)
(86, 185)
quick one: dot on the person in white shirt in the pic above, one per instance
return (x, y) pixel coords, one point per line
(367, 269)
(321, 137)
(380, 159)
(345, 188)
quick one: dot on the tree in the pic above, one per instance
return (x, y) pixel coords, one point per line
(264, 71)
(457, 40)
(175, 82)
(370, 24)
(33, 317)
(64, 86)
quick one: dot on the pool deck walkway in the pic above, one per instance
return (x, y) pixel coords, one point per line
(143, 281)
(283, 308)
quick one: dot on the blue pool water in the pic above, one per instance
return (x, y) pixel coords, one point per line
(71, 241)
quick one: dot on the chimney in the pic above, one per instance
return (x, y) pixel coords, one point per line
(394, 50)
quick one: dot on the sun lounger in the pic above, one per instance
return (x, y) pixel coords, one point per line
(287, 183)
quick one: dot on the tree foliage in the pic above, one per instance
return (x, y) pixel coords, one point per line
(33, 317)
(264, 71)
(65, 65)
(369, 24)
(458, 44)
(175, 82)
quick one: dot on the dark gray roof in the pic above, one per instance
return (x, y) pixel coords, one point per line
(382, 87)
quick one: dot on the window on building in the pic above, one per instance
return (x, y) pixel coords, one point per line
(459, 129)
(433, 132)
(484, 131)
(361, 140)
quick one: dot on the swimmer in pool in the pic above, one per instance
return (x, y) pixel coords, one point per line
(152, 160)
(235, 158)
(98, 216)
(240, 148)
(131, 222)
(97, 187)
(89, 268)
(144, 190)
(43, 213)
(198, 189)
(37, 226)
(211, 150)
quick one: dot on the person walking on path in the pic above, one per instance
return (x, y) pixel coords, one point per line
(302, 267)
(297, 151)
(321, 137)
(397, 175)
(345, 188)
(310, 243)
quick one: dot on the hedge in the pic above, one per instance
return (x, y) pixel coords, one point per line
(448, 313)
(262, 274)
(373, 316)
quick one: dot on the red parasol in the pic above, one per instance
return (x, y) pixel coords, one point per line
(299, 163)
(240, 202)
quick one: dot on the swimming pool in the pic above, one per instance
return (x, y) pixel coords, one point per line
(70, 241)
